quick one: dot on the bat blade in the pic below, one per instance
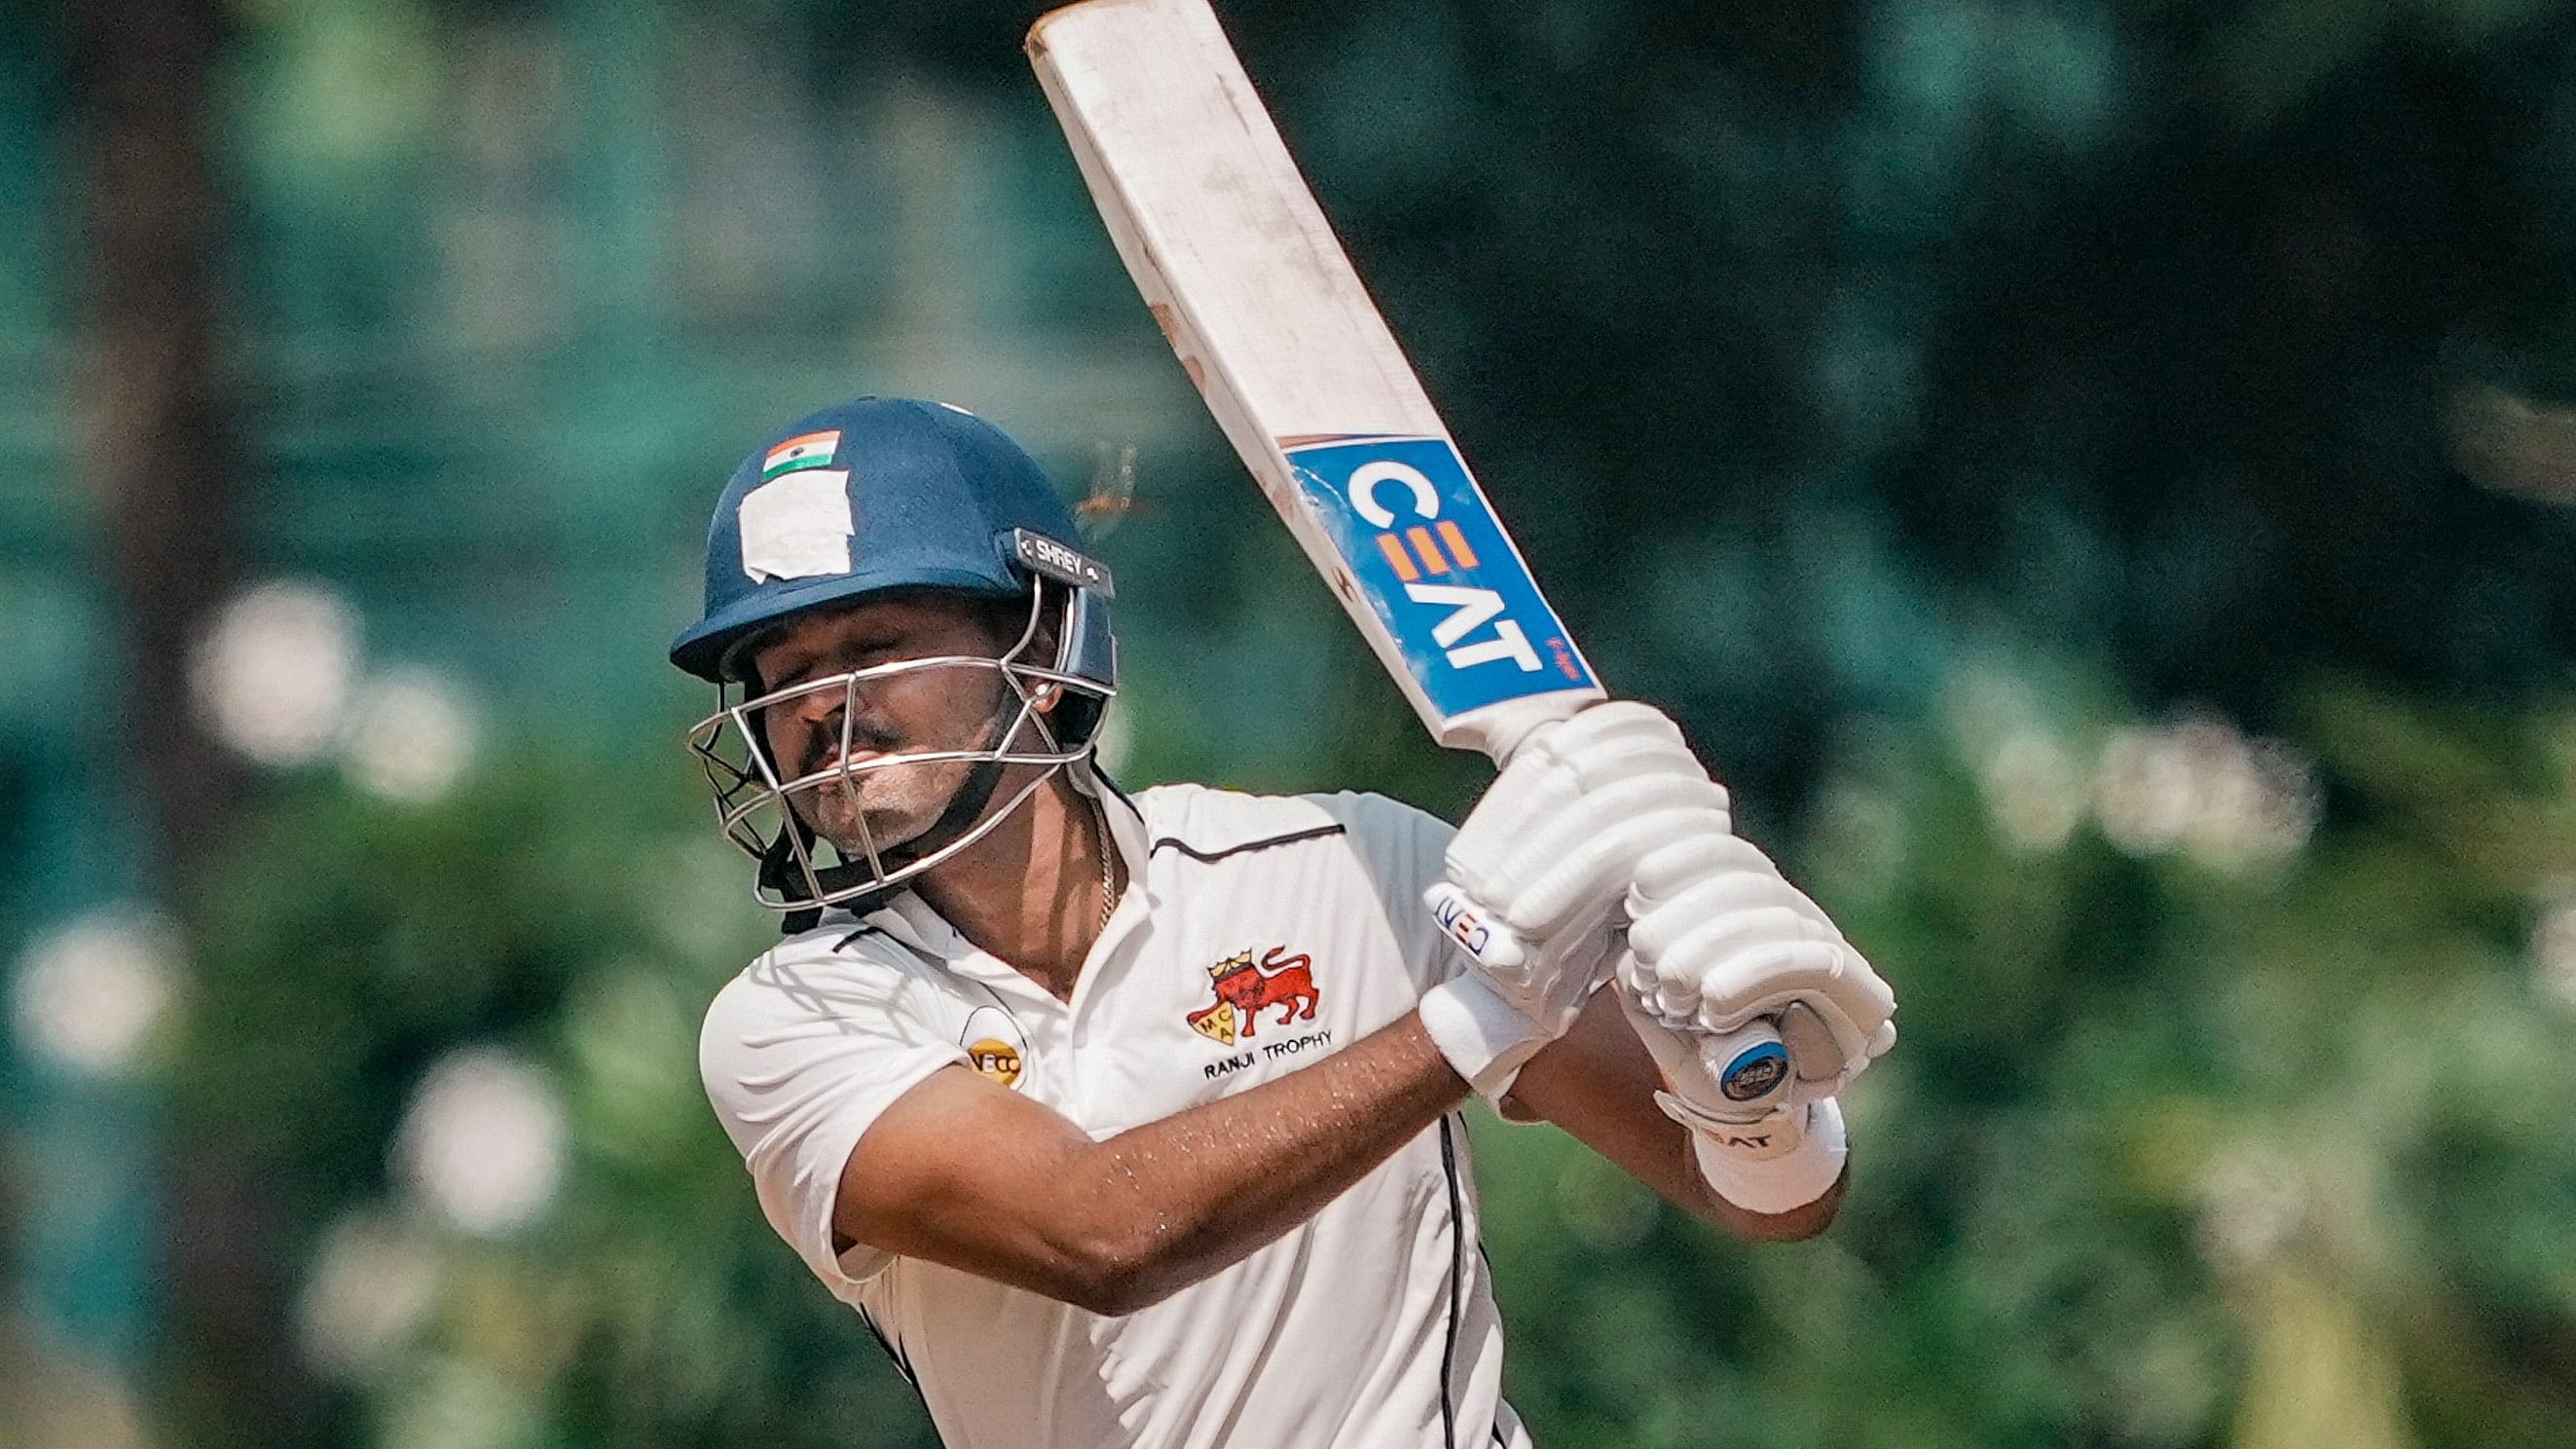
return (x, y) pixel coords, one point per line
(1254, 292)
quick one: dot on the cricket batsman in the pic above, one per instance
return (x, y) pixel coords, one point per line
(1135, 1119)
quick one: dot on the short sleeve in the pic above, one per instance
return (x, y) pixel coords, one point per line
(801, 1054)
(1401, 848)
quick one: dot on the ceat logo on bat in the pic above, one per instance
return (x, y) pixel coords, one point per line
(1244, 989)
(1438, 569)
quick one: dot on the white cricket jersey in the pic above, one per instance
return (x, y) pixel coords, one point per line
(1260, 934)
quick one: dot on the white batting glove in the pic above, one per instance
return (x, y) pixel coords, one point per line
(1540, 874)
(1717, 939)
(1757, 1145)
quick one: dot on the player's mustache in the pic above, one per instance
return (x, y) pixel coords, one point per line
(826, 743)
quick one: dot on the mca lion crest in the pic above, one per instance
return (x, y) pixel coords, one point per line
(1244, 990)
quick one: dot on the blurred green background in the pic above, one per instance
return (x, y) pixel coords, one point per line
(2090, 473)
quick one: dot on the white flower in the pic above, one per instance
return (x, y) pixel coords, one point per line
(369, 1288)
(2553, 950)
(272, 677)
(483, 1142)
(2251, 1205)
(89, 995)
(2200, 786)
(2034, 791)
(411, 736)
(2142, 791)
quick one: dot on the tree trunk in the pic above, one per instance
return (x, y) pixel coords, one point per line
(161, 447)
(162, 453)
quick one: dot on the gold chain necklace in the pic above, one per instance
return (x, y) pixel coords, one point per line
(1108, 870)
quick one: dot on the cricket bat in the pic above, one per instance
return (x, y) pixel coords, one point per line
(1250, 286)
(1253, 291)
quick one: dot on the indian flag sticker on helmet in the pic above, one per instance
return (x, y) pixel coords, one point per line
(807, 450)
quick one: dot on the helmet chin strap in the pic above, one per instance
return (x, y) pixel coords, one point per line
(965, 810)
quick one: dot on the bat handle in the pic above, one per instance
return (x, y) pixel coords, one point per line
(1749, 1064)
(1499, 729)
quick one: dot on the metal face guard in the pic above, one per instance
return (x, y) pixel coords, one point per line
(801, 872)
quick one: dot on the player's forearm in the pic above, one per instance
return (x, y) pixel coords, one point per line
(1169, 1203)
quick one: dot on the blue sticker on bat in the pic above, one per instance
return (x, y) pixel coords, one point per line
(1437, 568)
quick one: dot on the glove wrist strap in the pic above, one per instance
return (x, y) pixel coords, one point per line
(1776, 1165)
(1485, 1040)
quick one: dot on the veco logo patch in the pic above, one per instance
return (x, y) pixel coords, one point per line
(1437, 568)
(995, 1046)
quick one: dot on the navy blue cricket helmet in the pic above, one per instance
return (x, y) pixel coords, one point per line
(871, 497)
(881, 494)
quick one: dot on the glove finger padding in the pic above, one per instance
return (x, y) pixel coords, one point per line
(1666, 873)
(1488, 1020)
(1569, 818)
(1818, 1067)
(1597, 748)
(1719, 938)
(1694, 1097)
(1818, 973)
(1527, 815)
(1548, 984)
(1676, 1058)
(1604, 732)
(1568, 876)
(1691, 864)
(1854, 1045)
(1735, 904)
(1741, 984)
(1678, 981)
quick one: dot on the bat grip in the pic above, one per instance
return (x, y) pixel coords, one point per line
(1498, 730)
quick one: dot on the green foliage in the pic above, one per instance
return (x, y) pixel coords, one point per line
(2181, 1146)
(2170, 1154)
(1805, 346)
(580, 919)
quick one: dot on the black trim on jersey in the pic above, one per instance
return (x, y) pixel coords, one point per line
(1101, 778)
(1499, 1405)
(921, 954)
(902, 1365)
(1457, 1270)
(1211, 857)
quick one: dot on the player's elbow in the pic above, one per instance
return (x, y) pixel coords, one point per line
(1107, 1297)
(1117, 1294)
(1114, 1291)
(1118, 1271)
(1100, 1281)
